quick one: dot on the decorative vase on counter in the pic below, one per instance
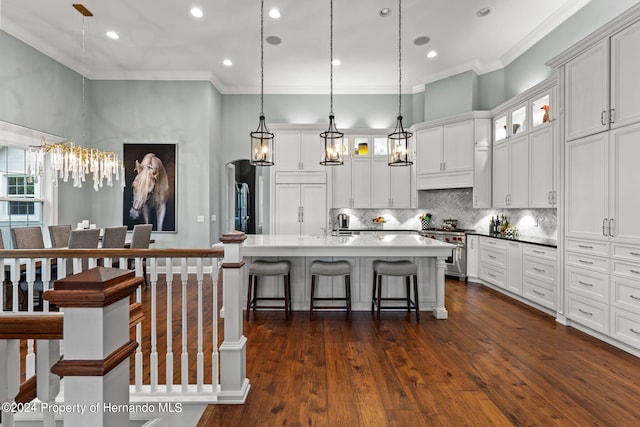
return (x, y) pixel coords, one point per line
(425, 223)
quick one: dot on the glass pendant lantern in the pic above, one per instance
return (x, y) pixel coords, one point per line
(399, 153)
(261, 138)
(333, 139)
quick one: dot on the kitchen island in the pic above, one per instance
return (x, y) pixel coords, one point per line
(360, 250)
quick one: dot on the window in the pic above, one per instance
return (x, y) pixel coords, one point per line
(18, 186)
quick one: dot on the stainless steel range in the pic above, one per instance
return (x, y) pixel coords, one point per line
(456, 264)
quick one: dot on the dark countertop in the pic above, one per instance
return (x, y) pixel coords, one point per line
(551, 243)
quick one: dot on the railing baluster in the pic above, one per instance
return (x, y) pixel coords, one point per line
(153, 358)
(215, 375)
(200, 353)
(184, 357)
(30, 363)
(45, 276)
(138, 358)
(15, 280)
(10, 378)
(169, 355)
(3, 297)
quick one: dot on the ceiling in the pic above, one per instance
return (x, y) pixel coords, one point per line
(159, 39)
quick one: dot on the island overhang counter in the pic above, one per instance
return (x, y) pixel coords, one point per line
(360, 250)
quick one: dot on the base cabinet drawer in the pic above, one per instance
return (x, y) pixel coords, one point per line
(539, 269)
(539, 292)
(625, 294)
(587, 312)
(540, 252)
(495, 276)
(625, 326)
(590, 284)
(588, 247)
(590, 262)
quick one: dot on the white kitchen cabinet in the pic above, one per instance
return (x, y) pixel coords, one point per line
(514, 267)
(390, 186)
(511, 173)
(351, 183)
(602, 174)
(300, 209)
(482, 177)
(445, 151)
(297, 151)
(542, 168)
(602, 88)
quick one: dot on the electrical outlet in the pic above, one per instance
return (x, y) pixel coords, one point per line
(200, 218)
(214, 218)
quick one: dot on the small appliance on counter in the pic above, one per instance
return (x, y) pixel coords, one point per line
(343, 221)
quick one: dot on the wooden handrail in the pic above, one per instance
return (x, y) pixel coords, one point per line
(111, 253)
(44, 326)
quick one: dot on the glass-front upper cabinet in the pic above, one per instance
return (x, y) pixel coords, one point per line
(360, 145)
(500, 127)
(519, 120)
(541, 110)
(380, 144)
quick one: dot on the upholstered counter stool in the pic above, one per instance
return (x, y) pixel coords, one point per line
(402, 268)
(261, 268)
(330, 268)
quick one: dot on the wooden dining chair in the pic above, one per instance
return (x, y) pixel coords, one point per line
(30, 238)
(83, 239)
(114, 237)
(59, 235)
(8, 288)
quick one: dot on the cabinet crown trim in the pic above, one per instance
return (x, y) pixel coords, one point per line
(607, 30)
(453, 119)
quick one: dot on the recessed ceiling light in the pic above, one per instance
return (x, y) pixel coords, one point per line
(113, 35)
(274, 13)
(483, 12)
(274, 40)
(432, 54)
(385, 11)
(422, 40)
(336, 62)
(227, 62)
(197, 12)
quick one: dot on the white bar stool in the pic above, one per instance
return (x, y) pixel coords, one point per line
(402, 268)
(330, 268)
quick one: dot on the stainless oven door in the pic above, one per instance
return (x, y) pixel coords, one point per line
(456, 264)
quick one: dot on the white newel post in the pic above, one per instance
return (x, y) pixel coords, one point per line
(95, 365)
(234, 384)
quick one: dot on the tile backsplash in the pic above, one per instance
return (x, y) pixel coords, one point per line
(456, 204)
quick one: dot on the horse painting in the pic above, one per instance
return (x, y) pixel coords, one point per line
(150, 190)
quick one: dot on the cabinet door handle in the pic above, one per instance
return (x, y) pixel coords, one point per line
(491, 275)
(537, 292)
(634, 331)
(612, 113)
(585, 283)
(604, 225)
(611, 227)
(491, 256)
(549, 198)
(634, 297)
(587, 247)
(603, 118)
(585, 262)
(444, 166)
(585, 312)
(634, 271)
(539, 252)
(634, 253)
(539, 270)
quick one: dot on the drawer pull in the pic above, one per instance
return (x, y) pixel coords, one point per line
(587, 247)
(491, 275)
(491, 243)
(539, 252)
(585, 262)
(634, 297)
(634, 271)
(634, 331)
(540, 270)
(491, 256)
(585, 283)
(537, 293)
(634, 253)
(585, 312)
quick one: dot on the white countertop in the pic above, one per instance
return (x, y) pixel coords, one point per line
(391, 245)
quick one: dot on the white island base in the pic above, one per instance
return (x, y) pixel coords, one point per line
(360, 251)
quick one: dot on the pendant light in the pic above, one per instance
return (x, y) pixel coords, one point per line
(261, 139)
(399, 140)
(332, 155)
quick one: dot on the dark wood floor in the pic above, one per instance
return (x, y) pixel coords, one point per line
(493, 362)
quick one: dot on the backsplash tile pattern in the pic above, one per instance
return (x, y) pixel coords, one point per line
(456, 204)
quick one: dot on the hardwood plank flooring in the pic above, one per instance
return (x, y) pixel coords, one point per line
(494, 362)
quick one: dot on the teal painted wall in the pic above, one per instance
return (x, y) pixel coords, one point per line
(450, 96)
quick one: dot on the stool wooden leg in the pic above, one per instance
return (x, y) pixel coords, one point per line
(347, 285)
(379, 293)
(290, 307)
(373, 296)
(287, 296)
(415, 296)
(313, 294)
(249, 295)
(407, 285)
